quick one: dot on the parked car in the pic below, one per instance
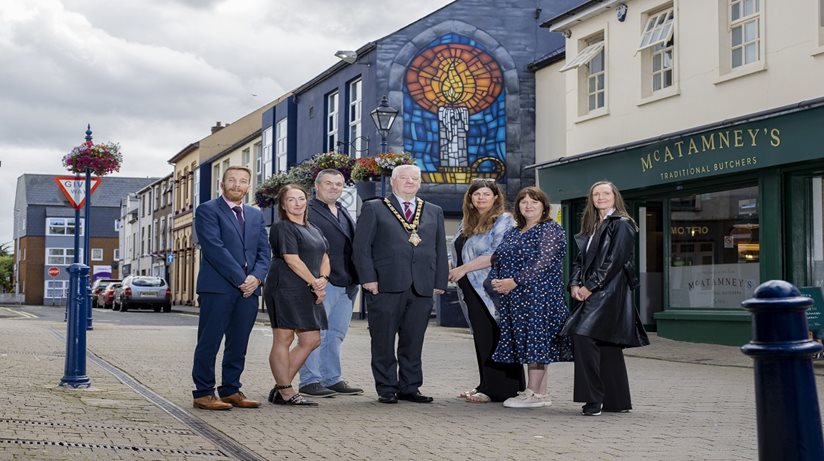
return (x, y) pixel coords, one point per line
(97, 289)
(143, 291)
(106, 297)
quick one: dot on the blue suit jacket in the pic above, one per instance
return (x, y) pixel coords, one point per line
(226, 258)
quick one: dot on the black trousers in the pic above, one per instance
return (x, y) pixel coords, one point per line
(600, 374)
(499, 381)
(404, 316)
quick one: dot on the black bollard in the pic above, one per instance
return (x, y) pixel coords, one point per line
(786, 401)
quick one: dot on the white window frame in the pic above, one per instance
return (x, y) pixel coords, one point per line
(355, 114)
(246, 157)
(116, 254)
(820, 21)
(97, 254)
(592, 51)
(56, 256)
(726, 24)
(67, 224)
(332, 109)
(598, 78)
(742, 24)
(54, 287)
(282, 129)
(196, 187)
(584, 56)
(259, 158)
(216, 179)
(658, 49)
(658, 30)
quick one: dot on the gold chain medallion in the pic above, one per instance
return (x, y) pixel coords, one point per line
(412, 227)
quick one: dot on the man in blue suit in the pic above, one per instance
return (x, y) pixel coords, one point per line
(234, 259)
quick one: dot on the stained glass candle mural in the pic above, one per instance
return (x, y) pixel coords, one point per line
(454, 112)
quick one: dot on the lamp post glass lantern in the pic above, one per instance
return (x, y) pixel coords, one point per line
(384, 116)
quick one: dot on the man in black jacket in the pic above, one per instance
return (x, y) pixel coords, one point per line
(320, 375)
(400, 255)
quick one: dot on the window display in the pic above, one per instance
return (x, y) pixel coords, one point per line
(715, 249)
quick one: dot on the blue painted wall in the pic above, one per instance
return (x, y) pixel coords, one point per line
(509, 30)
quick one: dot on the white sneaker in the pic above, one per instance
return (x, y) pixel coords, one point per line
(525, 399)
(545, 398)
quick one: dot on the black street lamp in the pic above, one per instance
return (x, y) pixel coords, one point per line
(384, 116)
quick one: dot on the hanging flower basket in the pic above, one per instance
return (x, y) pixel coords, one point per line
(332, 161)
(372, 168)
(366, 169)
(100, 159)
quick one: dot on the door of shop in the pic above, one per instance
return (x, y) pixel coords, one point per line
(650, 215)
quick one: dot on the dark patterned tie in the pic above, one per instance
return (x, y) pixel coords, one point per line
(407, 211)
(239, 213)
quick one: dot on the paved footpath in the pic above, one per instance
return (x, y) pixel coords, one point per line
(691, 401)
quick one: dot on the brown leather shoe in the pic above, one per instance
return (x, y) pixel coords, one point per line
(210, 402)
(239, 400)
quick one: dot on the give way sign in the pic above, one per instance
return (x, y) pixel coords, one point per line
(74, 188)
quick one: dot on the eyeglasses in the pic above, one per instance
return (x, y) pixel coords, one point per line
(484, 181)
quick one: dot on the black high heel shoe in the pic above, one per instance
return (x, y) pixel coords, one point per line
(297, 399)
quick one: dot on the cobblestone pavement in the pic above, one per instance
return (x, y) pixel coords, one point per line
(691, 401)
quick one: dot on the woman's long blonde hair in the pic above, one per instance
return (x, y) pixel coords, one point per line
(590, 217)
(473, 222)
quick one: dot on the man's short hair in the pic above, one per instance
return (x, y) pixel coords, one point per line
(396, 172)
(328, 171)
(236, 167)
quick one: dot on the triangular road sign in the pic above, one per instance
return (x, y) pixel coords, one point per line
(74, 188)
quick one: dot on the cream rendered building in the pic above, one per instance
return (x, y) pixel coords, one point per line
(186, 196)
(708, 116)
(196, 182)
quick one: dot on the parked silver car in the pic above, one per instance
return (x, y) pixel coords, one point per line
(143, 291)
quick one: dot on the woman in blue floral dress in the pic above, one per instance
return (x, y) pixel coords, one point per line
(526, 273)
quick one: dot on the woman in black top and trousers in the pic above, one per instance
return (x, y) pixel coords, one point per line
(605, 319)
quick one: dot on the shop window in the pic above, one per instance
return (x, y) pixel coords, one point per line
(817, 251)
(714, 259)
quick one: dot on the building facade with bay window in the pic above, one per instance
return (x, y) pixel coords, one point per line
(716, 141)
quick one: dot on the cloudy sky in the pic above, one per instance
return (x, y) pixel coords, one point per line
(154, 75)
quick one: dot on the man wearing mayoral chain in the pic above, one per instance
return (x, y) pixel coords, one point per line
(400, 257)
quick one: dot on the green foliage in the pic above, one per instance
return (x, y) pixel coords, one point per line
(7, 273)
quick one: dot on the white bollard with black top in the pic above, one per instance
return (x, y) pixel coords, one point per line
(786, 400)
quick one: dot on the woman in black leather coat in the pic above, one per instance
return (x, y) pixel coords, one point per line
(605, 320)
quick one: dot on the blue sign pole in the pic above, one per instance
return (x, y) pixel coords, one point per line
(76, 257)
(786, 400)
(87, 241)
(87, 301)
(74, 374)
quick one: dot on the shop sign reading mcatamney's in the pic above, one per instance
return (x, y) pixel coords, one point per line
(779, 140)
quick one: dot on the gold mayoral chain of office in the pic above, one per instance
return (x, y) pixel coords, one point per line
(412, 227)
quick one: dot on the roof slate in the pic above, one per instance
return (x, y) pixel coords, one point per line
(41, 189)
